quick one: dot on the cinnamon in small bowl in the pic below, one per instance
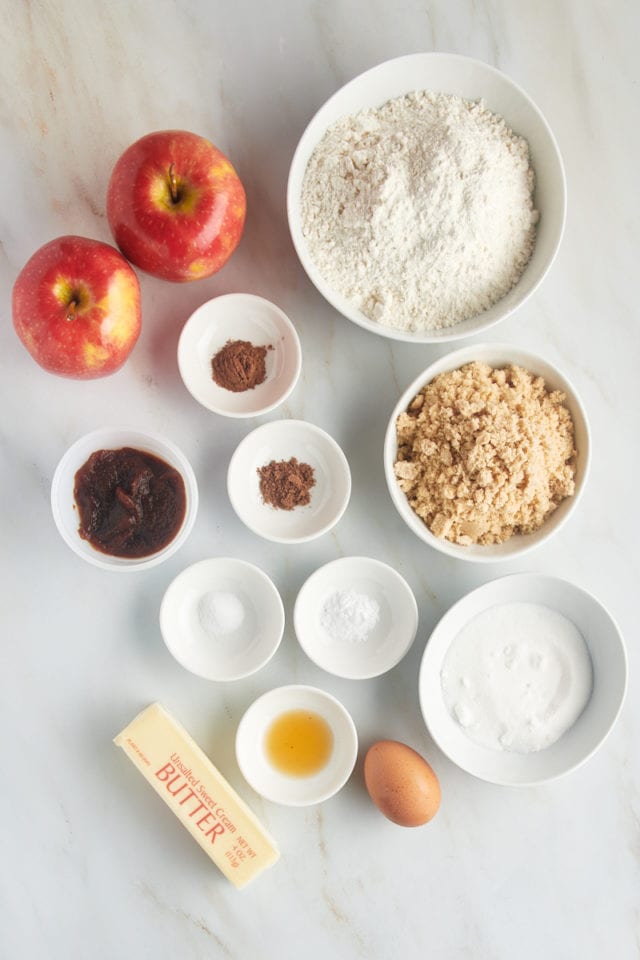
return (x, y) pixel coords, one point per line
(239, 355)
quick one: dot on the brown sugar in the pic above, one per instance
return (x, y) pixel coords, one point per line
(485, 453)
(239, 366)
(286, 484)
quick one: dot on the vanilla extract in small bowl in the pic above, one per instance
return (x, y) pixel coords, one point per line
(296, 745)
(299, 743)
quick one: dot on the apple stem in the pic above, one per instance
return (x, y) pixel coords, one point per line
(173, 183)
(71, 310)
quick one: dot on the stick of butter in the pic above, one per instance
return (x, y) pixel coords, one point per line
(198, 794)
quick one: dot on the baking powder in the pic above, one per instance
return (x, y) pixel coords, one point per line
(517, 677)
(420, 212)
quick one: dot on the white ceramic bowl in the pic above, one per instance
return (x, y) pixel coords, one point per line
(496, 355)
(375, 652)
(64, 508)
(233, 639)
(472, 80)
(282, 440)
(609, 663)
(239, 316)
(295, 791)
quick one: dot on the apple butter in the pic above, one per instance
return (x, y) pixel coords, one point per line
(130, 502)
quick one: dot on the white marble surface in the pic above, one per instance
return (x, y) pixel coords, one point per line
(93, 864)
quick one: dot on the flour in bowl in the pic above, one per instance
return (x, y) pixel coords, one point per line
(420, 212)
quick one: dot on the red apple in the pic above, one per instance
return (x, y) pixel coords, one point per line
(175, 205)
(76, 307)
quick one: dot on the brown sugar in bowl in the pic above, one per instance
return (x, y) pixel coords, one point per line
(496, 356)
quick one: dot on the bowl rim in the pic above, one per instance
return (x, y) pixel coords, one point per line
(304, 690)
(448, 334)
(291, 334)
(239, 564)
(236, 502)
(441, 627)
(389, 572)
(453, 361)
(139, 435)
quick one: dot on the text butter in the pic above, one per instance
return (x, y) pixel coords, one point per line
(198, 794)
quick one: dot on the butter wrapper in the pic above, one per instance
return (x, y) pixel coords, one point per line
(197, 793)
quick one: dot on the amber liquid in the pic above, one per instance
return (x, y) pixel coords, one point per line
(299, 743)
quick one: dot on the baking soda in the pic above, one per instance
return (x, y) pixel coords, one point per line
(348, 616)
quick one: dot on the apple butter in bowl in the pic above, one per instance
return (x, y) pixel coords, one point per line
(130, 502)
(124, 499)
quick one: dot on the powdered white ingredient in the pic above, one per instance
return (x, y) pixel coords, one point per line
(220, 613)
(420, 212)
(349, 616)
(517, 677)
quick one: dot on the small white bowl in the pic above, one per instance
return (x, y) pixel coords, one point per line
(496, 355)
(239, 316)
(295, 791)
(387, 642)
(254, 621)
(282, 440)
(65, 511)
(473, 80)
(609, 663)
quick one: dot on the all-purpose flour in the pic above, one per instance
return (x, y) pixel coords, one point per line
(420, 212)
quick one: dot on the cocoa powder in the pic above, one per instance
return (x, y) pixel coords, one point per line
(239, 366)
(286, 484)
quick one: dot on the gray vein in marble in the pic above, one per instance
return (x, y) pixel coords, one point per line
(197, 922)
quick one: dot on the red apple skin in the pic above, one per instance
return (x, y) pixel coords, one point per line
(76, 308)
(177, 231)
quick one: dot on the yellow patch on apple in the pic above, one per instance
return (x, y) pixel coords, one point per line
(221, 169)
(119, 301)
(94, 355)
(198, 268)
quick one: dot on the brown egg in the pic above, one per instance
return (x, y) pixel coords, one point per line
(401, 783)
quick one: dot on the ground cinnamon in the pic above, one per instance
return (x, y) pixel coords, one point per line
(286, 484)
(239, 366)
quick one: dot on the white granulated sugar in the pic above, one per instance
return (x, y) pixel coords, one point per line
(420, 212)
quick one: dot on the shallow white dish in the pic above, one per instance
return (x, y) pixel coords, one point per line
(295, 791)
(239, 316)
(609, 663)
(496, 355)
(227, 654)
(473, 80)
(390, 638)
(282, 440)
(65, 512)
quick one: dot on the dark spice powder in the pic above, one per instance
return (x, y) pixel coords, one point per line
(239, 366)
(286, 484)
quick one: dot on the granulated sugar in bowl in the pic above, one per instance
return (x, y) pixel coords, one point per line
(426, 198)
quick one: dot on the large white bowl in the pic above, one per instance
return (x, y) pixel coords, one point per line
(282, 440)
(473, 80)
(496, 355)
(295, 791)
(609, 663)
(65, 512)
(239, 316)
(238, 652)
